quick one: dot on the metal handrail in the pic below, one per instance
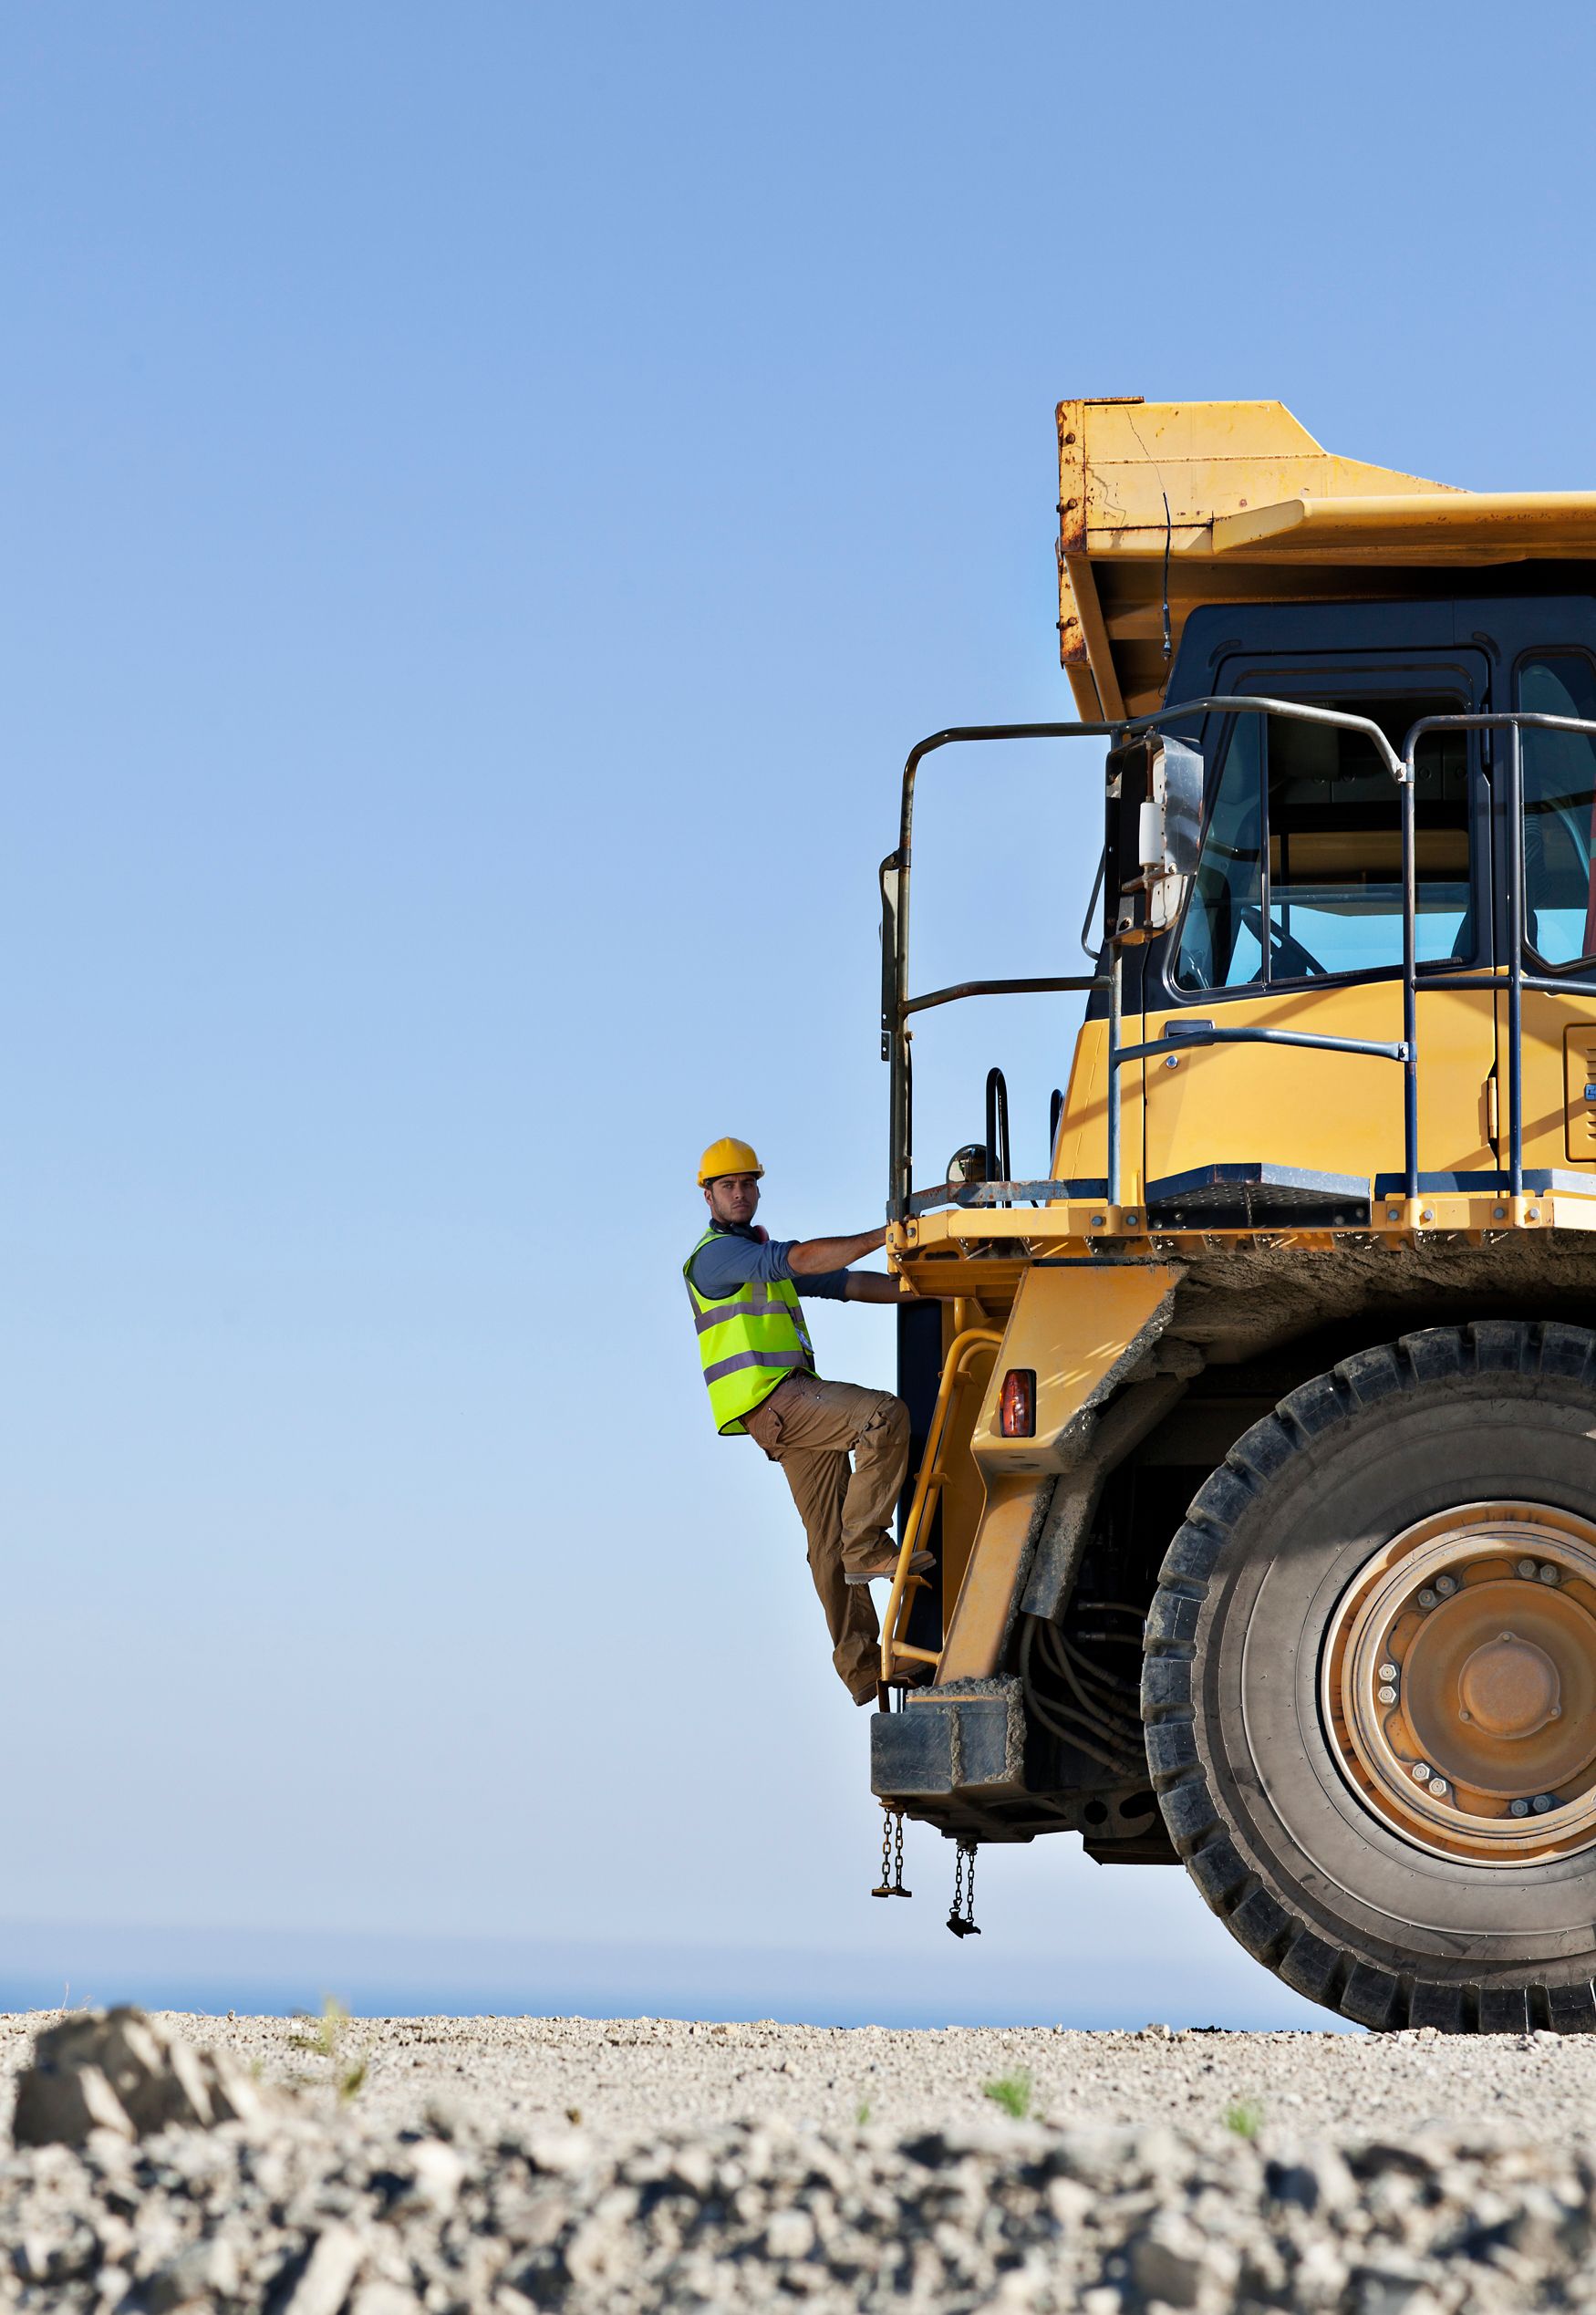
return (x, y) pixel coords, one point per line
(928, 1485)
(895, 1001)
(897, 1005)
(1516, 721)
(1054, 984)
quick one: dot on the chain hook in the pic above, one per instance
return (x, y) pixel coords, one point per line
(961, 1918)
(891, 1855)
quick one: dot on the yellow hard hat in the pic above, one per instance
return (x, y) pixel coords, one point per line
(727, 1156)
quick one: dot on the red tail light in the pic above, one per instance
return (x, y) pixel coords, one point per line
(1017, 1403)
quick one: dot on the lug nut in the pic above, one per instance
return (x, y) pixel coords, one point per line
(1427, 1598)
(1421, 1772)
(1385, 1696)
(1446, 1585)
(1527, 1567)
(1548, 1574)
(1541, 1803)
(1388, 1671)
(1438, 1787)
(1519, 1808)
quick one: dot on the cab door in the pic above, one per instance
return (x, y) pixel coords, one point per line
(1293, 921)
(1559, 850)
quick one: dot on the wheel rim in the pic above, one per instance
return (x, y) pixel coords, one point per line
(1459, 1683)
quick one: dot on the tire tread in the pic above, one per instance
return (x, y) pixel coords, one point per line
(1333, 1975)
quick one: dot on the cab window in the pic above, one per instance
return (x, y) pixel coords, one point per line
(1300, 871)
(1559, 809)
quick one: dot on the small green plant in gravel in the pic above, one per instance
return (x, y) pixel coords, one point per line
(1245, 2117)
(1012, 2093)
(327, 2037)
(862, 2112)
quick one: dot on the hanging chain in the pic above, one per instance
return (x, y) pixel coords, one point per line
(892, 1856)
(961, 1919)
(885, 1889)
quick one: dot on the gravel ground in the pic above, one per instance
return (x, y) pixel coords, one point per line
(626, 2075)
(491, 2166)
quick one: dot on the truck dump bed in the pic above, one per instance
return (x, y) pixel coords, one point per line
(1164, 506)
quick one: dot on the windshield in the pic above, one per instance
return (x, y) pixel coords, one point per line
(1300, 870)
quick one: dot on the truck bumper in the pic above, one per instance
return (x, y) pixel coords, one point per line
(955, 1758)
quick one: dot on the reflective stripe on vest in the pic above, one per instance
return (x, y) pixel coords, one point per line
(742, 1337)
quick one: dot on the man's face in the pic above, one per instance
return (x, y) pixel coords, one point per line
(731, 1198)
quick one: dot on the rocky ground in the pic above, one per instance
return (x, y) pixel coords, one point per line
(504, 2165)
(622, 2076)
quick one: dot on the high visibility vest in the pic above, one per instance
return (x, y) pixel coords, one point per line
(747, 1342)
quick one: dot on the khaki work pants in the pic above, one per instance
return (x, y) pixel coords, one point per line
(811, 1428)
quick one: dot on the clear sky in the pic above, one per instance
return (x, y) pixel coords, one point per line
(491, 493)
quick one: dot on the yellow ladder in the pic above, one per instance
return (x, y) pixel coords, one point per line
(928, 1485)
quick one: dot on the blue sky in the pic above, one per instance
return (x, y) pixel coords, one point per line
(490, 497)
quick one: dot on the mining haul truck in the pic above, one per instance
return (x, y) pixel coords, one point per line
(1256, 1444)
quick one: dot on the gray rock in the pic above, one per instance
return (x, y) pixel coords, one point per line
(62, 2108)
(1173, 2260)
(204, 2271)
(117, 2071)
(433, 2174)
(336, 2258)
(379, 2297)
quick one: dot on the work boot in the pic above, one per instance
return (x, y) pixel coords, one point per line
(885, 1567)
(908, 1675)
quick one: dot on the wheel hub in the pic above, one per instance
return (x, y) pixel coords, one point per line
(1509, 1687)
(1459, 1683)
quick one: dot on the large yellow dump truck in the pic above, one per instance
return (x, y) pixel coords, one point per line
(1258, 1440)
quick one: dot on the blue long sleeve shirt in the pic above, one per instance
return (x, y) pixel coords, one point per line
(737, 1255)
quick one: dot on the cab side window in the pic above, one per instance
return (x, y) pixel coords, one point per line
(1221, 942)
(1559, 811)
(1300, 871)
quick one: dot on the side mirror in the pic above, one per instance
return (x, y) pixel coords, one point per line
(1170, 827)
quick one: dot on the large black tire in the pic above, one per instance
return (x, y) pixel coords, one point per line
(1302, 1872)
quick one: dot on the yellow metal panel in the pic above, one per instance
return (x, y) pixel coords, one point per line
(1207, 460)
(1443, 527)
(1558, 1035)
(1079, 1329)
(1081, 1149)
(975, 1636)
(1250, 508)
(1082, 1329)
(1081, 1152)
(1579, 1092)
(1326, 1112)
(1091, 637)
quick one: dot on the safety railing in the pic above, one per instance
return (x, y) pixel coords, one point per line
(898, 1005)
(929, 1481)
